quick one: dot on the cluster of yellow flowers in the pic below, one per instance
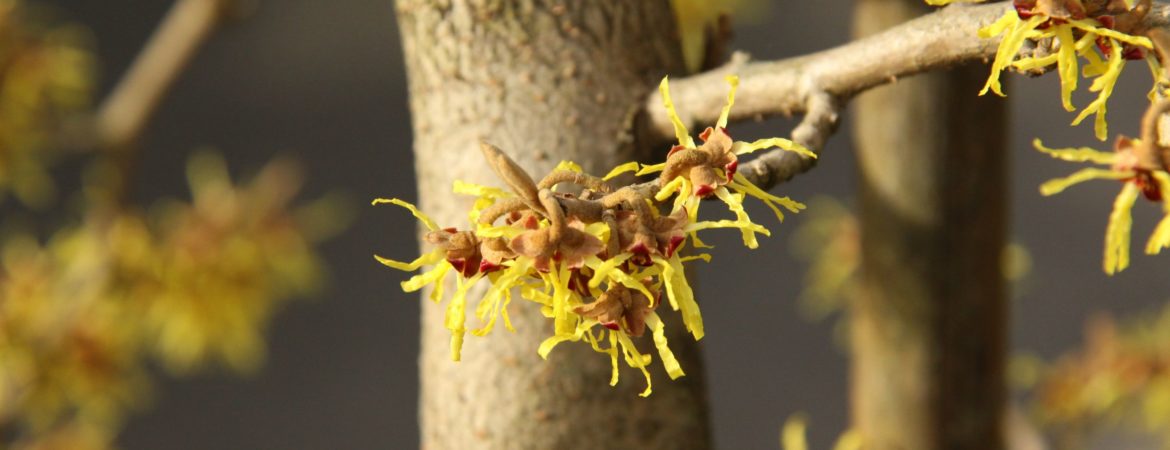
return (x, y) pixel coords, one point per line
(45, 74)
(1120, 379)
(1136, 163)
(193, 286)
(1064, 31)
(1105, 34)
(596, 262)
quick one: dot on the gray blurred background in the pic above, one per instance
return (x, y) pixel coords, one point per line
(323, 80)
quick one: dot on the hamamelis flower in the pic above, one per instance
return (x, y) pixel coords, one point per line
(46, 74)
(1100, 32)
(694, 172)
(1127, 164)
(596, 259)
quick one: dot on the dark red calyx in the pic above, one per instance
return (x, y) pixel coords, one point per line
(1132, 53)
(704, 190)
(730, 169)
(1024, 8)
(487, 267)
(464, 267)
(578, 282)
(611, 325)
(1150, 190)
(675, 241)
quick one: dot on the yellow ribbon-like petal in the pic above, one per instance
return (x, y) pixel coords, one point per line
(634, 358)
(425, 259)
(735, 204)
(1078, 154)
(673, 369)
(742, 184)
(1090, 26)
(1117, 233)
(430, 224)
(680, 295)
(569, 166)
(1104, 85)
(1058, 185)
(1067, 65)
(627, 167)
(743, 148)
(734, 82)
(1009, 47)
(680, 130)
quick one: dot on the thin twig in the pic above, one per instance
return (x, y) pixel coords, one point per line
(797, 85)
(127, 111)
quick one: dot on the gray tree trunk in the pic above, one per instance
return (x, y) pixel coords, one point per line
(929, 331)
(545, 81)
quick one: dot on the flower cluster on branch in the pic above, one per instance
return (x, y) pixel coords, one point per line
(598, 262)
(1105, 34)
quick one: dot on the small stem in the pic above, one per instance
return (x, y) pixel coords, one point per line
(1153, 153)
(556, 216)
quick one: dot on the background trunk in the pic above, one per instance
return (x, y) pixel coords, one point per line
(928, 332)
(544, 81)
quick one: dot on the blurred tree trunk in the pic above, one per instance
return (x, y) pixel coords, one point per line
(545, 81)
(929, 330)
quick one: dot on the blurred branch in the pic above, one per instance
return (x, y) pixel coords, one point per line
(128, 109)
(800, 84)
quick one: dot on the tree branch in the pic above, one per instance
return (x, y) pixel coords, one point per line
(818, 84)
(125, 113)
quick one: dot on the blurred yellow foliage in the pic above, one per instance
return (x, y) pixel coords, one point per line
(46, 74)
(697, 18)
(1120, 379)
(194, 286)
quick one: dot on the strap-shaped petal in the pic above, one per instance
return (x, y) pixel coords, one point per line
(1067, 65)
(743, 148)
(1103, 84)
(680, 295)
(430, 224)
(1058, 185)
(1117, 232)
(673, 368)
(1088, 25)
(428, 258)
(1077, 154)
(680, 130)
(627, 167)
(635, 358)
(1009, 47)
(733, 81)
(742, 184)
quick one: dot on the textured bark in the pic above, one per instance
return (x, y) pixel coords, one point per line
(545, 81)
(928, 333)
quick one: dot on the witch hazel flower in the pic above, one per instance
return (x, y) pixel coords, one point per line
(693, 172)
(1141, 166)
(1105, 34)
(596, 259)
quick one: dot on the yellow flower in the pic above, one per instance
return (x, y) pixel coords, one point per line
(1074, 31)
(46, 75)
(693, 172)
(595, 262)
(1124, 164)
